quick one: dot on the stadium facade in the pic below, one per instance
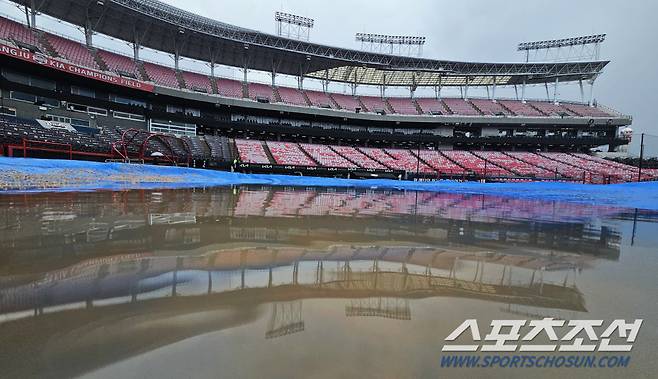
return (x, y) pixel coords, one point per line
(64, 97)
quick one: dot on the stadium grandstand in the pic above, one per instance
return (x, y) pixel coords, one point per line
(71, 98)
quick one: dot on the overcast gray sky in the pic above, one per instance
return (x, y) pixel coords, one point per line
(484, 30)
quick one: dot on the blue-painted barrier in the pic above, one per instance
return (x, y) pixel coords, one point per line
(89, 176)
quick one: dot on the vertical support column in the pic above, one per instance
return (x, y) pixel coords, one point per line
(177, 59)
(591, 94)
(523, 91)
(325, 82)
(466, 88)
(212, 68)
(33, 14)
(582, 91)
(493, 89)
(557, 81)
(89, 34)
(273, 74)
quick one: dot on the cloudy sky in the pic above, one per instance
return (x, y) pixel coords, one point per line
(479, 30)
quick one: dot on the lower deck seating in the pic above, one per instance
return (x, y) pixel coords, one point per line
(358, 157)
(476, 164)
(440, 163)
(289, 153)
(252, 151)
(405, 160)
(327, 157)
(512, 164)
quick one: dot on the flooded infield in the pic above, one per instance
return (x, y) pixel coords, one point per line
(304, 282)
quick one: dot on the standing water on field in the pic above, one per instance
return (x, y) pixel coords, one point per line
(305, 282)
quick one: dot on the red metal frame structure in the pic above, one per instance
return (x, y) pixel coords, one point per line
(128, 138)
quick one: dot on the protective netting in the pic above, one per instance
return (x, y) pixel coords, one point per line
(19, 175)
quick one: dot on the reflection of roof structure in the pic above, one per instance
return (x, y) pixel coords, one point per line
(298, 274)
(131, 298)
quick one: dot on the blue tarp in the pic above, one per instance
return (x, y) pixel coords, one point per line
(89, 176)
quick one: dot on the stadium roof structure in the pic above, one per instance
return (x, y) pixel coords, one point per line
(163, 27)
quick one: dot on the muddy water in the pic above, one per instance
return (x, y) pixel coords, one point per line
(306, 283)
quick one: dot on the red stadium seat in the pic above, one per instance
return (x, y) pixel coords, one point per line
(13, 31)
(292, 96)
(230, 88)
(288, 153)
(252, 151)
(403, 105)
(73, 51)
(196, 82)
(327, 157)
(460, 107)
(161, 75)
(119, 64)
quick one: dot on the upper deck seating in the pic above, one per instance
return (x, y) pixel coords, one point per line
(431, 106)
(292, 96)
(73, 51)
(490, 108)
(230, 88)
(460, 107)
(402, 105)
(161, 75)
(196, 82)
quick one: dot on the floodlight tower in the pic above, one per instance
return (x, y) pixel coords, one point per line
(402, 45)
(584, 48)
(293, 26)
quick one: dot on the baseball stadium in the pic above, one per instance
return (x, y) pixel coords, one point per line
(186, 195)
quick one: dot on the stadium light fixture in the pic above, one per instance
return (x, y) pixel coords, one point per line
(390, 40)
(294, 19)
(564, 42)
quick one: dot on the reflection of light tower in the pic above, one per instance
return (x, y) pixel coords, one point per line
(292, 26)
(392, 308)
(286, 318)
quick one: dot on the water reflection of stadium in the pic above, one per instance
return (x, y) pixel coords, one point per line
(242, 255)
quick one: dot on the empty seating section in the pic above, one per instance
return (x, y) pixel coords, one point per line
(569, 165)
(610, 168)
(292, 96)
(229, 88)
(219, 148)
(460, 107)
(440, 163)
(288, 153)
(196, 82)
(72, 50)
(119, 64)
(319, 99)
(325, 156)
(407, 161)
(431, 106)
(261, 91)
(161, 75)
(490, 108)
(374, 104)
(562, 170)
(512, 164)
(252, 151)
(347, 102)
(503, 165)
(14, 31)
(520, 109)
(358, 157)
(550, 109)
(403, 105)
(586, 110)
(475, 164)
